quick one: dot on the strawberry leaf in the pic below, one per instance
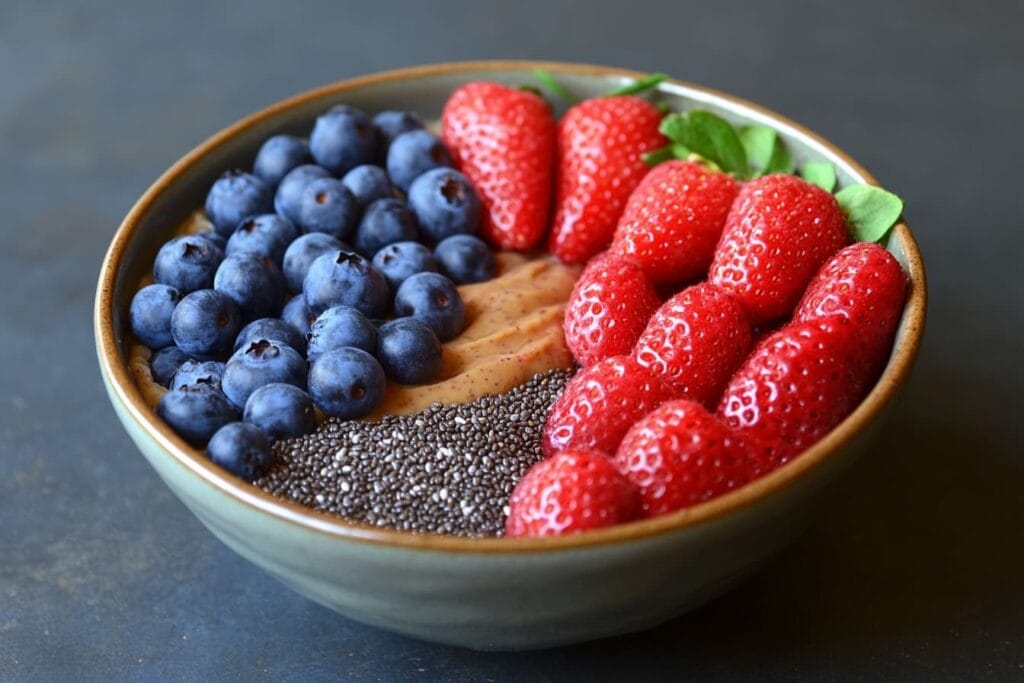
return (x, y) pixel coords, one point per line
(820, 173)
(710, 136)
(765, 150)
(870, 211)
(645, 83)
(673, 151)
(553, 86)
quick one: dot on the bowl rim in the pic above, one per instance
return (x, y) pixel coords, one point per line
(123, 388)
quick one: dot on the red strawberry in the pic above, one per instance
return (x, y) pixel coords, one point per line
(600, 403)
(778, 233)
(608, 309)
(601, 143)
(503, 140)
(696, 341)
(673, 220)
(680, 455)
(575, 490)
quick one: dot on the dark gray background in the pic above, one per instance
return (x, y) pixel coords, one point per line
(914, 567)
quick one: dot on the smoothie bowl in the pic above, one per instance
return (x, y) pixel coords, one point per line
(396, 511)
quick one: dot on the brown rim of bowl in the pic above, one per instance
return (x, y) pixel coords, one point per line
(120, 379)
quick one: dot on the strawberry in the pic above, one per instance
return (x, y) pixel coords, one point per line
(601, 143)
(680, 455)
(608, 309)
(575, 490)
(600, 403)
(780, 230)
(673, 220)
(695, 341)
(503, 140)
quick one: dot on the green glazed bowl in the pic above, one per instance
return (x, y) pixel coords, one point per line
(482, 593)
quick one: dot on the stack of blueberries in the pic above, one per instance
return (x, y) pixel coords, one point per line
(330, 267)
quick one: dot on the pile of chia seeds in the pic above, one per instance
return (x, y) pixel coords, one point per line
(449, 469)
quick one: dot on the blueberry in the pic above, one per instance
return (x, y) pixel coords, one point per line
(195, 412)
(252, 282)
(409, 351)
(297, 315)
(262, 362)
(205, 323)
(273, 329)
(328, 206)
(342, 139)
(465, 259)
(241, 449)
(398, 261)
(191, 372)
(265, 235)
(391, 124)
(281, 411)
(302, 252)
(345, 279)
(279, 155)
(385, 222)
(187, 263)
(165, 362)
(234, 197)
(289, 192)
(445, 204)
(414, 153)
(150, 315)
(212, 235)
(341, 326)
(432, 298)
(368, 183)
(346, 382)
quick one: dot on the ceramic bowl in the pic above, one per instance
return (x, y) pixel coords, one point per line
(483, 593)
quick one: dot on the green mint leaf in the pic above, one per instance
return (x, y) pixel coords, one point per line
(820, 173)
(710, 136)
(870, 211)
(645, 83)
(553, 86)
(766, 152)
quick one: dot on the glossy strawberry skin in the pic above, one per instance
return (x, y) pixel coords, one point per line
(779, 231)
(695, 341)
(601, 143)
(503, 140)
(608, 309)
(572, 491)
(674, 219)
(679, 455)
(600, 403)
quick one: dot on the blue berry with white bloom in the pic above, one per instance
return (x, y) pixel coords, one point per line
(414, 153)
(258, 363)
(279, 155)
(266, 235)
(242, 449)
(432, 298)
(342, 139)
(253, 282)
(205, 323)
(345, 279)
(281, 411)
(289, 191)
(385, 222)
(328, 206)
(302, 252)
(400, 260)
(409, 351)
(274, 329)
(390, 124)
(368, 183)
(150, 315)
(187, 263)
(297, 315)
(445, 204)
(165, 362)
(195, 412)
(208, 372)
(341, 326)
(235, 196)
(465, 259)
(346, 382)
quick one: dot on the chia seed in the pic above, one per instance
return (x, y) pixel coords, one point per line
(449, 469)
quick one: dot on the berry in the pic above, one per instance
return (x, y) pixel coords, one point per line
(252, 282)
(279, 155)
(572, 491)
(342, 139)
(345, 279)
(219, 240)
(187, 263)
(274, 329)
(679, 455)
(465, 259)
(242, 450)
(258, 363)
(385, 222)
(205, 323)
(398, 261)
(780, 230)
(289, 191)
(235, 196)
(195, 412)
(601, 143)
(503, 139)
(297, 315)
(328, 206)
(191, 372)
(368, 183)
(600, 403)
(341, 326)
(164, 363)
(346, 383)
(673, 220)
(150, 315)
(445, 204)
(414, 153)
(432, 298)
(608, 309)
(391, 124)
(302, 252)
(695, 341)
(409, 351)
(281, 411)
(268, 235)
